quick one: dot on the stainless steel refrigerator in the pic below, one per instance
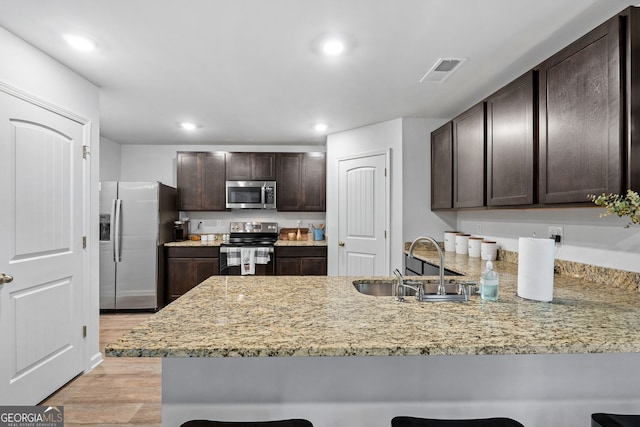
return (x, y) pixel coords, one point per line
(136, 219)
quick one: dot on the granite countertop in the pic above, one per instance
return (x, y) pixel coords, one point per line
(199, 243)
(247, 316)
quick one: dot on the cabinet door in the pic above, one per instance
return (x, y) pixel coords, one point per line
(183, 274)
(213, 182)
(469, 158)
(510, 144)
(301, 182)
(288, 191)
(288, 267)
(251, 166)
(313, 180)
(263, 166)
(313, 266)
(189, 171)
(200, 181)
(239, 166)
(580, 118)
(442, 168)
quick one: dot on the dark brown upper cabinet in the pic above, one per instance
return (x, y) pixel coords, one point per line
(442, 167)
(469, 158)
(631, 19)
(251, 166)
(201, 181)
(581, 121)
(301, 182)
(511, 144)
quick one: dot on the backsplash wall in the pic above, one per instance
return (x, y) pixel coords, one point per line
(586, 239)
(218, 222)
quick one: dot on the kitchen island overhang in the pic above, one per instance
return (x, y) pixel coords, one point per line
(249, 348)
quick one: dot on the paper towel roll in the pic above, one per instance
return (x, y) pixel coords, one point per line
(535, 268)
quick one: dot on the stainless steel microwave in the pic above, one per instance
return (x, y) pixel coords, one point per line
(251, 194)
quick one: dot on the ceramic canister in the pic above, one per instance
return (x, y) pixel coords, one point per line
(450, 240)
(474, 246)
(488, 250)
(462, 243)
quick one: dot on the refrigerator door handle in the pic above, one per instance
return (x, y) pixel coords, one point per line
(112, 229)
(117, 247)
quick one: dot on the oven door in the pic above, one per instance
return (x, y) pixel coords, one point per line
(267, 269)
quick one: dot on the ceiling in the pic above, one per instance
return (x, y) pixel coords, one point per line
(249, 71)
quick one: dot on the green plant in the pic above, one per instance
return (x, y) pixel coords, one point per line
(619, 204)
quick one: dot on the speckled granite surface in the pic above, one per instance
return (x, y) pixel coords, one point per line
(325, 316)
(199, 243)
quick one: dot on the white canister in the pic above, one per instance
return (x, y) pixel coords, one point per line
(462, 243)
(450, 241)
(488, 250)
(474, 246)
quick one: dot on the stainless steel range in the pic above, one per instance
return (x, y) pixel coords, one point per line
(249, 249)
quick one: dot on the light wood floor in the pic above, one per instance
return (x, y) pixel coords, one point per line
(119, 392)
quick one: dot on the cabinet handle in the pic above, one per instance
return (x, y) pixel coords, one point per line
(5, 278)
(341, 244)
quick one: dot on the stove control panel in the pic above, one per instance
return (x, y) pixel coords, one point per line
(253, 227)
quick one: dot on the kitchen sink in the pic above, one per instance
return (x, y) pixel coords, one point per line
(453, 289)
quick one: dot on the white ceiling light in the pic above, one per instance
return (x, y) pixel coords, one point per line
(80, 42)
(320, 127)
(333, 44)
(333, 47)
(188, 126)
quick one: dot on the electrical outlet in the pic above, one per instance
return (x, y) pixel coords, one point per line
(555, 233)
(299, 222)
(479, 227)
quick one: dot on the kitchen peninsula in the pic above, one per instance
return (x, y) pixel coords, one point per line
(313, 347)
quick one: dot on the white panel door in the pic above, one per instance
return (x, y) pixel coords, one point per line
(362, 216)
(41, 223)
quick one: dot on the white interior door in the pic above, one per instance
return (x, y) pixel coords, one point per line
(41, 223)
(362, 216)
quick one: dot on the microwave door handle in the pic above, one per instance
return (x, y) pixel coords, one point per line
(263, 193)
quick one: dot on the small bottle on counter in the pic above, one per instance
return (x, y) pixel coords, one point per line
(489, 283)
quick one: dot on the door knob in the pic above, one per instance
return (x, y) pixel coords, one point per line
(340, 244)
(5, 278)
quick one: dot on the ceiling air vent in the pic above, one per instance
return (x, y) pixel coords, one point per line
(442, 69)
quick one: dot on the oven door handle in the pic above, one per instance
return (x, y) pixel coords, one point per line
(225, 249)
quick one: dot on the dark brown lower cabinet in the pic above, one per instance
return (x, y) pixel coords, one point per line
(186, 267)
(301, 260)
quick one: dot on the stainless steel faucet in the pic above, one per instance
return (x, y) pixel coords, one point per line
(401, 285)
(441, 289)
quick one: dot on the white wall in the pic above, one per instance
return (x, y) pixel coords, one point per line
(418, 220)
(109, 160)
(29, 70)
(374, 138)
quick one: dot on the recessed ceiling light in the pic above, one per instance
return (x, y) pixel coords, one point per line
(333, 44)
(333, 47)
(80, 42)
(320, 127)
(188, 126)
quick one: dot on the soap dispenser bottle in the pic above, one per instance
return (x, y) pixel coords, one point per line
(489, 283)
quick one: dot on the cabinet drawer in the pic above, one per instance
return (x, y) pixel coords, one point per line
(192, 252)
(300, 251)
